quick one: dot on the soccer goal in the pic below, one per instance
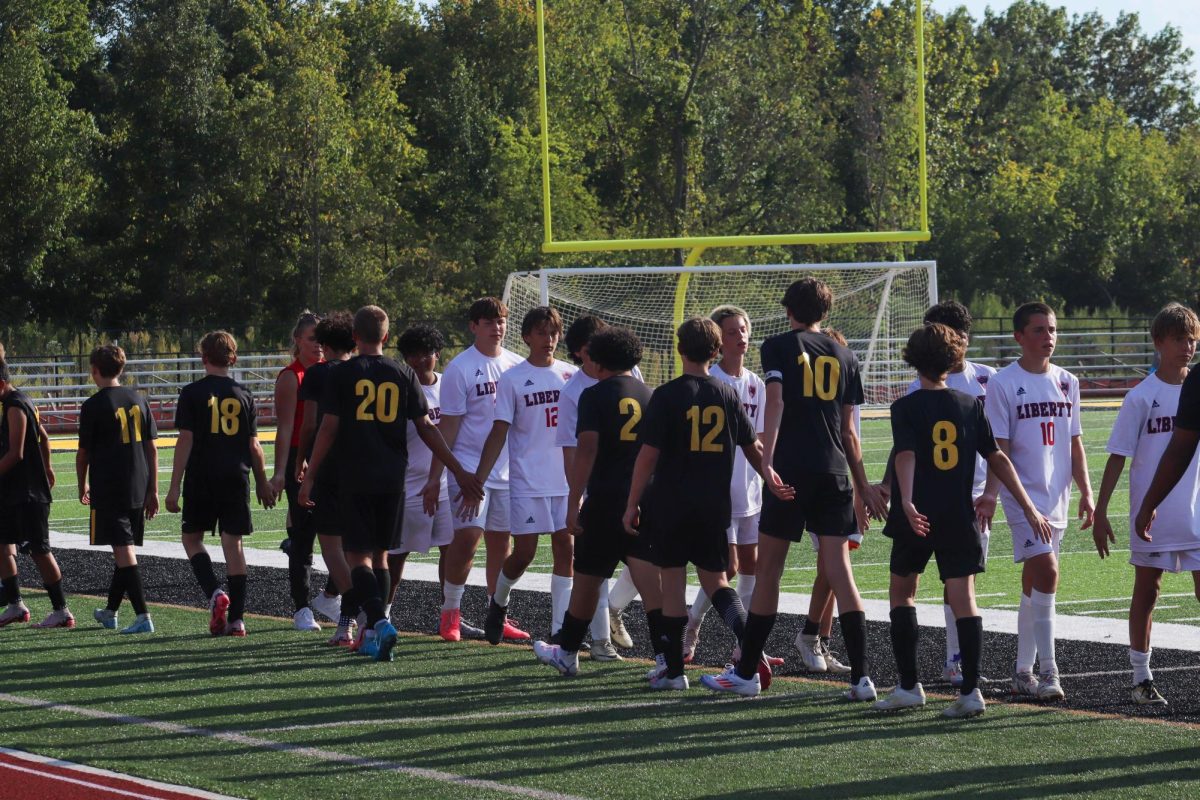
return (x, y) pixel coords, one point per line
(876, 306)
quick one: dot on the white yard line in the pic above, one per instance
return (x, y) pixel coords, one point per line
(1129, 671)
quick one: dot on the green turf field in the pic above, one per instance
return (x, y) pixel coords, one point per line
(1089, 586)
(274, 716)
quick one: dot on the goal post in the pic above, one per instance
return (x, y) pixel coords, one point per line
(876, 306)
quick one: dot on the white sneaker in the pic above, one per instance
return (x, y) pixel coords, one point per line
(691, 638)
(552, 655)
(303, 620)
(1049, 688)
(663, 682)
(617, 630)
(1147, 694)
(60, 618)
(902, 698)
(730, 681)
(659, 668)
(1024, 684)
(811, 652)
(952, 672)
(967, 705)
(835, 667)
(862, 691)
(603, 650)
(328, 607)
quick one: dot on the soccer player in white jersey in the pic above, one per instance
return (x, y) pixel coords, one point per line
(972, 379)
(468, 400)
(1033, 408)
(527, 398)
(1143, 430)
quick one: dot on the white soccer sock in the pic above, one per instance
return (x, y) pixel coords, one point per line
(1026, 643)
(452, 594)
(1141, 665)
(951, 635)
(700, 607)
(504, 585)
(600, 628)
(387, 611)
(1043, 630)
(560, 599)
(745, 589)
(623, 591)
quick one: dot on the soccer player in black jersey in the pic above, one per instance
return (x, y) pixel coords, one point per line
(25, 483)
(216, 450)
(810, 442)
(117, 470)
(937, 433)
(689, 433)
(608, 432)
(335, 334)
(367, 404)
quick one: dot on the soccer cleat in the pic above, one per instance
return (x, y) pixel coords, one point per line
(835, 667)
(342, 637)
(552, 655)
(469, 631)
(143, 624)
(303, 620)
(1024, 684)
(659, 669)
(385, 640)
(328, 607)
(863, 691)
(663, 682)
(218, 605)
(106, 618)
(450, 625)
(952, 673)
(811, 653)
(493, 625)
(1147, 694)
(773, 661)
(729, 681)
(603, 650)
(618, 631)
(513, 631)
(369, 648)
(359, 640)
(236, 628)
(967, 705)
(59, 618)
(17, 612)
(1049, 687)
(901, 698)
(691, 638)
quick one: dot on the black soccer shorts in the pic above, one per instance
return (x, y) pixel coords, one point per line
(910, 557)
(117, 527)
(604, 542)
(371, 522)
(231, 515)
(680, 536)
(824, 505)
(28, 525)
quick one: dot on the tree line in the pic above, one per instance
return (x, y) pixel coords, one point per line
(236, 160)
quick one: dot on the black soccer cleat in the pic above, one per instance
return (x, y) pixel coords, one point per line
(493, 625)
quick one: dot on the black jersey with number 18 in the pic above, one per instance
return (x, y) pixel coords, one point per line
(221, 416)
(114, 425)
(613, 408)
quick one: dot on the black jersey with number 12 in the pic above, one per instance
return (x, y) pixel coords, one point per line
(613, 408)
(221, 416)
(114, 425)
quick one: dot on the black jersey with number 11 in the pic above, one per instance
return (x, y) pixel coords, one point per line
(114, 425)
(613, 408)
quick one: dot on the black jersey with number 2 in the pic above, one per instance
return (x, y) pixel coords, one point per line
(373, 398)
(945, 429)
(613, 408)
(26, 482)
(221, 416)
(114, 425)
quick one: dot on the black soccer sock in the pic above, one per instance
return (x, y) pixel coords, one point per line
(202, 568)
(299, 569)
(854, 633)
(570, 636)
(729, 606)
(758, 628)
(351, 605)
(657, 639)
(368, 592)
(12, 590)
(116, 589)
(811, 627)
(133, 585)
(383, 579)
(970, 645)
(904, 644)
(673, 628)
(237, 596)
(58, 598)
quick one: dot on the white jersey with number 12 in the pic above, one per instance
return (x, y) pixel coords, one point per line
(527, 398)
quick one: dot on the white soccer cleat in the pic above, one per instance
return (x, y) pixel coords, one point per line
(691, 638)
(17, 612)
(659, 669)
(1147, 694)
(59, 618)
(863, 691)
(729, 681)
(603, 650)
(901, 698)
(835, 667)
(552, 655)
(617, 630)
(303, 620)
(1024, 684)
(662, 682)
(952, 672)
(1049, 687)
(967, 705)
(328, 607)
(811, 652)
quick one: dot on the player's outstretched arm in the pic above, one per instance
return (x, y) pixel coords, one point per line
(449, 426)
(754, 454)
(1079, 471)
(906, 469)
(470, 486)
(587, 444)
(263, 487)
(183, 451)
(772, 416)
(998, 462)
(643, 468)
(872, 498)
(492, 447)
(1174, 463)
(1102, 532)
(326, 435)
(81, 472)
(150, 504)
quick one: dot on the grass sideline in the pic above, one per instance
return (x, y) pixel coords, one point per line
(1089, 586)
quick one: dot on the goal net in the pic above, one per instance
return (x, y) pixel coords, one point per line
(876, 306)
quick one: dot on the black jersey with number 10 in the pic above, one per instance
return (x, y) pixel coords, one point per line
(945, 429)
(114, 425)
(613, 408)
(221, 416)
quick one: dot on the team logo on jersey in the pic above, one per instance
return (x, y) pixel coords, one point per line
(1020, 391)
(982, 379)
(753, 389)
(1160, 424)
(529, 382)
(1154, 404)
(1065, 388)
(567, 374)
(1028, 543)
(530, 521)
(478, 372)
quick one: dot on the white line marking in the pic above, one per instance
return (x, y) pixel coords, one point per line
(992, 594)
(313, 753)
(1120, 610)
(1129, 671)
(104, 773)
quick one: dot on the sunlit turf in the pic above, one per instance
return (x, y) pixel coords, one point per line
(1089, 586)
(475, 711)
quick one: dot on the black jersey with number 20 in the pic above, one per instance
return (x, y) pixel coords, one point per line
(613, 408)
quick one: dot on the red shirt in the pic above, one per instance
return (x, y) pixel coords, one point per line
(298, 416)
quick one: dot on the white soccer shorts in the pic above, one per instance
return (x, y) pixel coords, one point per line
(743, 530)
(538, 515)
(421, 532)
(1167, 560)
(1026, 544)
(493, 511)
